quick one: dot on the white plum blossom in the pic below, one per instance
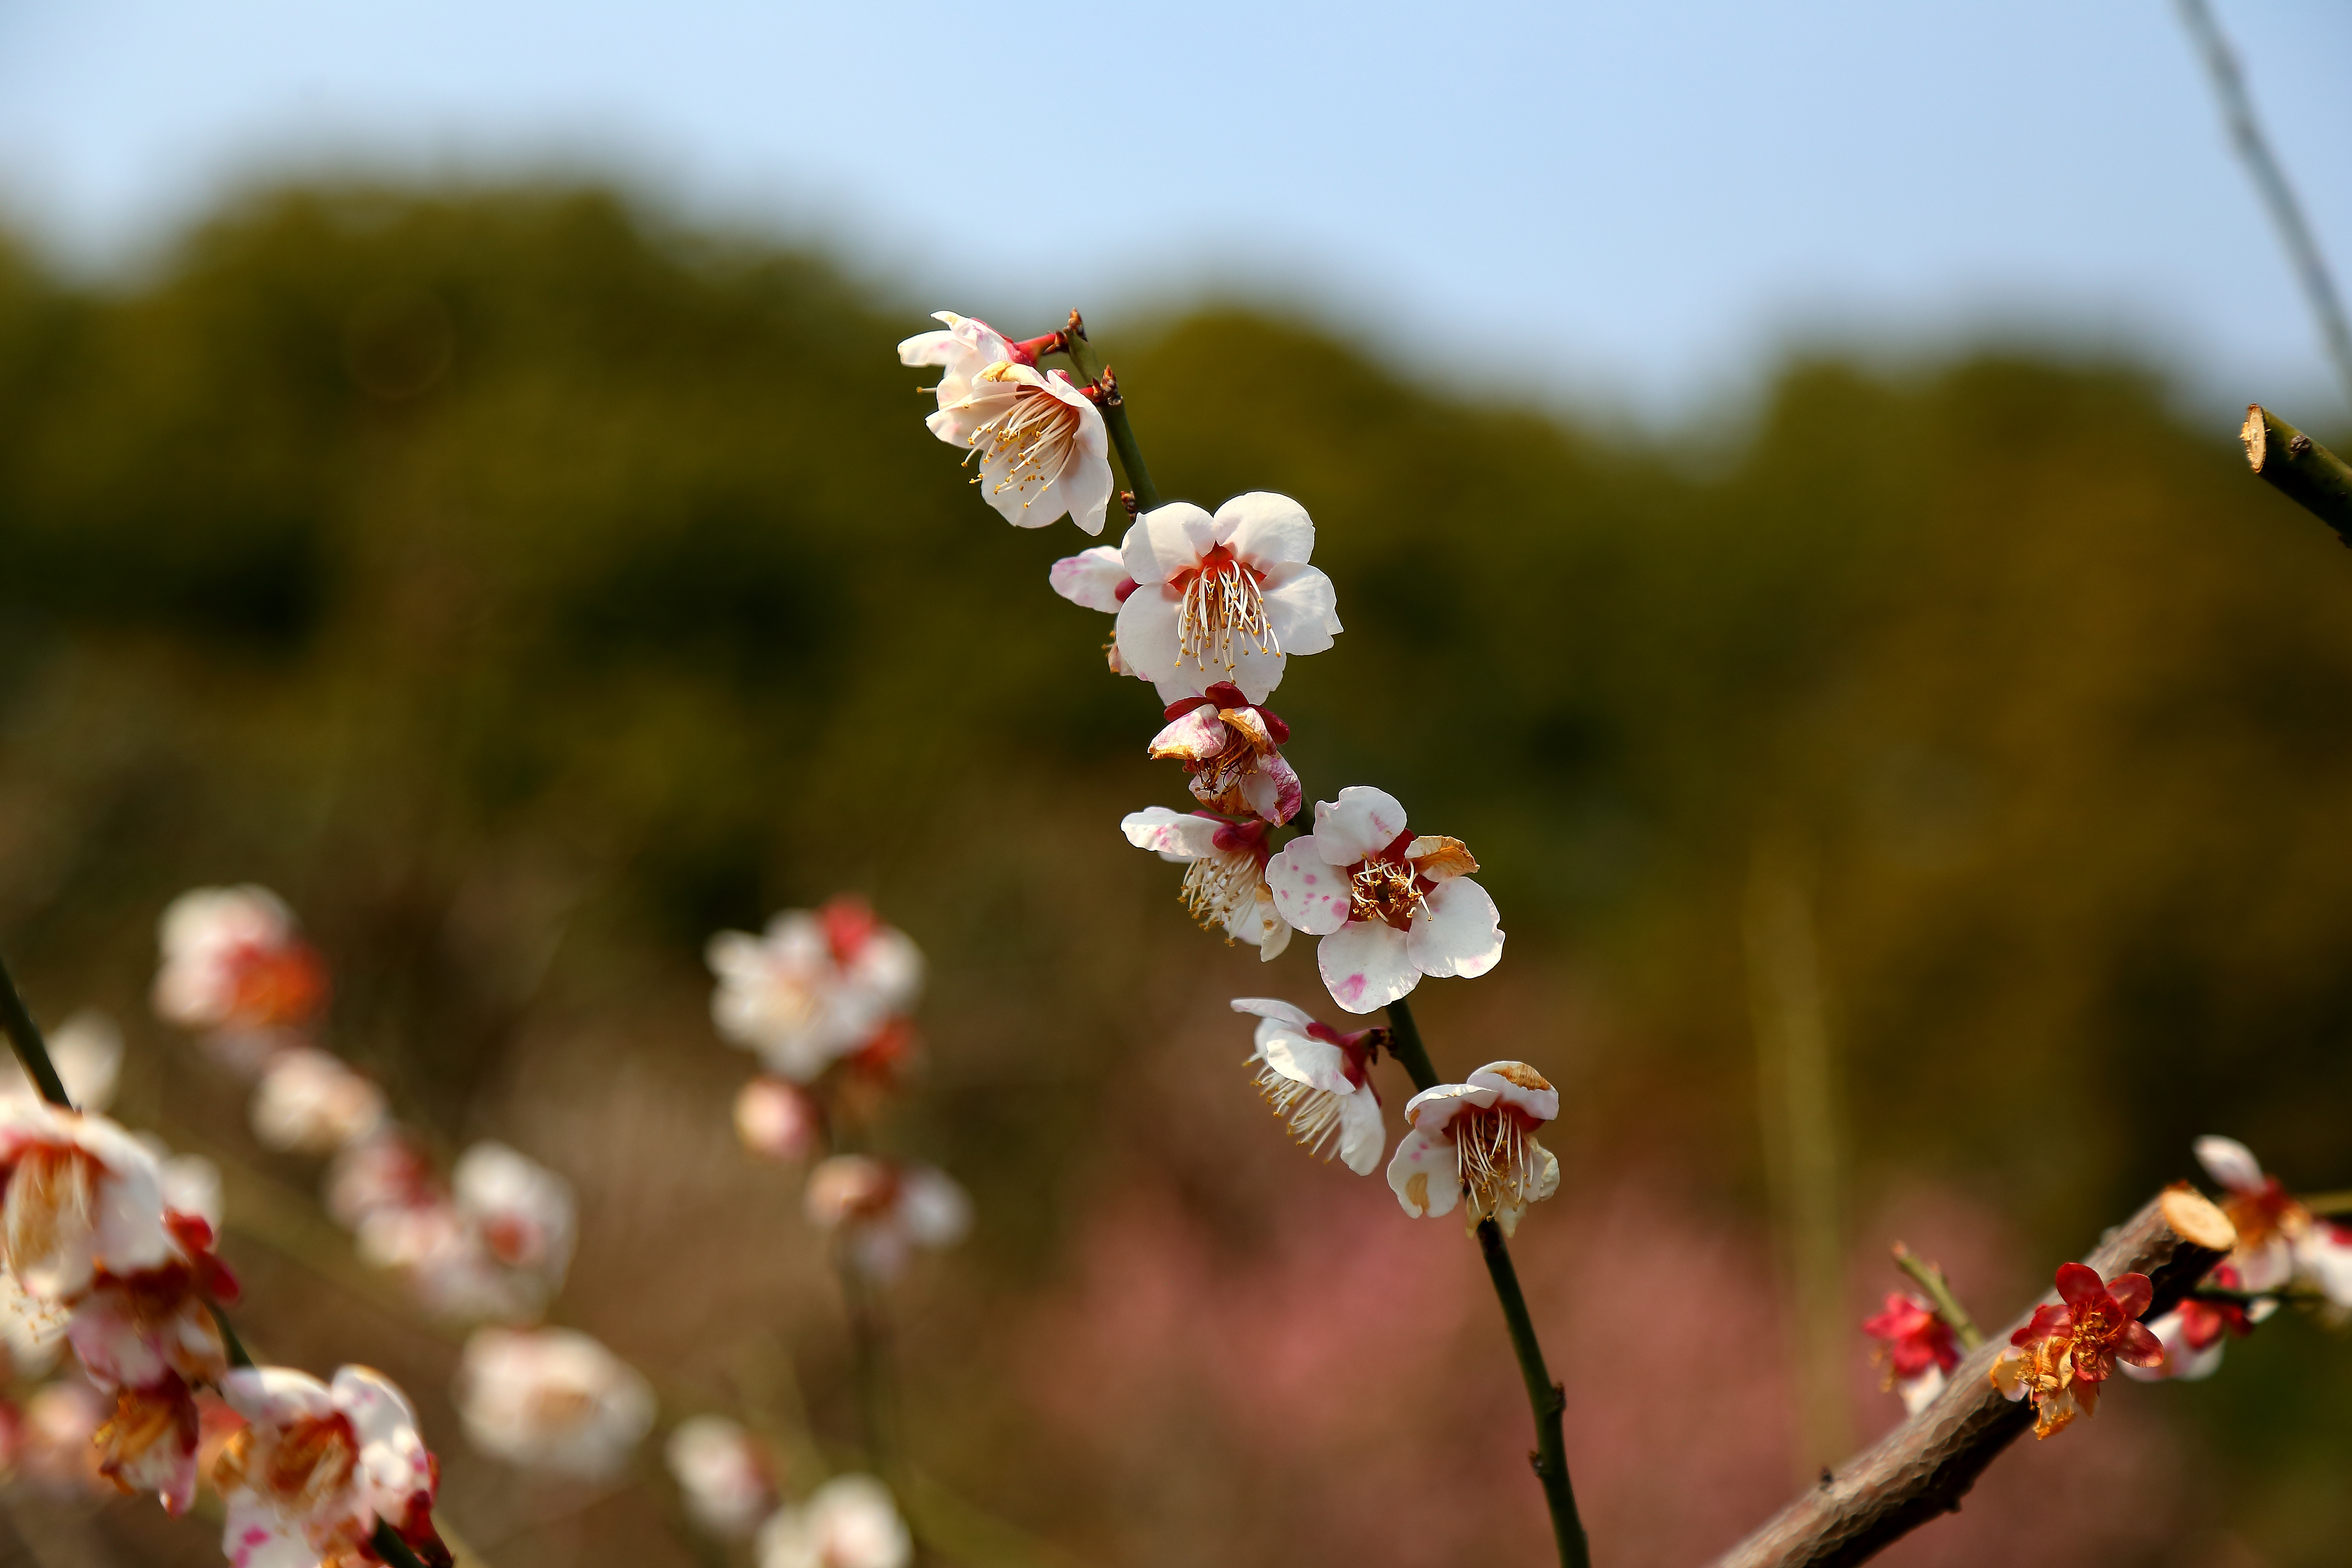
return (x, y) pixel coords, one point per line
(310, 1102)
(1474, 1143)
(82, 1195)
(884, 1208)
(1232, 748)
(553, 1400)
(87, 1051)
(317, 1466)
(1093, 579)
(1043, 451)
(1225, 872)
(192, 1185)
(848, 1523)
(233, 962)
(1222, 597)
(2280, 1241)
(814, 987)
(1390, 906)
(778, 1120)
(522, 1210)
(58, 1450)
(1318, 1081)
(719, 1473)
(30, 1331)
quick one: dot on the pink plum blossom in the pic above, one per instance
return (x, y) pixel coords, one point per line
(1474, 1143)
(1390, 906)
(553, 1400)
(1318, 1081)
(883, 1209)
(848, 1523)
(1225, 872)
(1222, 597)
(814, 987)
(1044, 452)
(316, 1467)
(1231, 746)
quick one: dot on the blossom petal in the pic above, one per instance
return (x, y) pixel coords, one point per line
(1148, 641)
(1091, 578)
(1264, 529)
(1366, 965)
(1516, 1083)
(1457, 932)
(2132, 1293)
(1319, 1063)
(1166, 540)
(1310, 894)
(2230, 1163)
(1424, 1175)
(1362, 1131)
(2079, 1286)
(2137, 1347)
(1302, 608)
(1276, 938)
(2323, 1255)
(1435, 1106)
(1176, 835)
(1257, 671)
(1358, 826)
(1272, 789)
(1195, 737)
(1269, 1008)
(1440, 858)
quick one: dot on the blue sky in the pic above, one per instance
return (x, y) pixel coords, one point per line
(1620, 205)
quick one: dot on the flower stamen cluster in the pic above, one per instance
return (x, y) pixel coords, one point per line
(2070, 1349)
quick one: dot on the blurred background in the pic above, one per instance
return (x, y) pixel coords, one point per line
(1781, 478)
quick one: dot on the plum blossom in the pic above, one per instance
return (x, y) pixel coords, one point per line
(552, 1400)
(151, 1341)
(848, 1523)
(316, 1467)
(1231, 747)
(2194, 1333)
(59, 1449)
(2072, 1346)
(233, 965)
(521, 1209)
(882, 1209)
(1224, 597)
(814, 987)
(1390, 906)
(83, 1196)
(1474, 1143)
(310, 1102)
(719, 1473)
(191, 1186)
(1225, 872)
(2280, 1241)
(1318, 1081)
(778, 1120)
(1916, 1347)
(1044, 452)
(30, 1331)
(87, 1051)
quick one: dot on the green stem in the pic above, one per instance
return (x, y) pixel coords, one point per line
(26, 1036)
(2300, 468)
(230, 1344)
(1939, 1292)
(1114, 413)
(394, 1550)
(2329, 1202)
(1546, 1398)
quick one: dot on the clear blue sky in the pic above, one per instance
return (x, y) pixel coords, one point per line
(1634, 204)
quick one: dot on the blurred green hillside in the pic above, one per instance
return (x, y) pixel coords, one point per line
(527, 590)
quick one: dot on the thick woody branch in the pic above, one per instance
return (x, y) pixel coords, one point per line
(1922, 1469)
(2300, 468)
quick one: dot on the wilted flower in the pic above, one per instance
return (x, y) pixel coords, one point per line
(2194, 1333)
(719, 1473)
(232, 962)
(1915, 1346)
(310, 1102)
(1043, 449)
(1224, 881)
(1228, 597)
(1475, 1142)
(82, 1195)
(1318, 1081)
(2280, 1241)
(553, 1400)
(87, 1051)
(814, 986)
(150, 1340)
(2061, 1357)
(1390, 907)
(883, 1208)
(777, 1119)
(317, 1466)
(1230, 746)
(848, 1523)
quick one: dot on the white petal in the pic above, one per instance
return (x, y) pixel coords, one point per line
(1166, 540)
(1256, 671)
(2326, 1259)
(1435, 1106)
(2230, 1162)
(1297, 1018)
(1195, 737)
(1177, 836)
(1360, 824)
(1425, 1176)
(1264, 529)
(1310, 895)
(1302, 607)
(1319, 1063)
(1362, 1132)
(1086, 482)
(1920, 1392)
(1365, 966)
(1457, 932)
(1148, 642)
(1091, 578)
(1516, 1083)
(1276, 938)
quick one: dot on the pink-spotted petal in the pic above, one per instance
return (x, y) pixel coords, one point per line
(1310, 895)
(1360, 824)
(1365, 965)
(1424, 1174)
(1273, 790)
(1457, 932)
(1176, 835)
(1193, 737)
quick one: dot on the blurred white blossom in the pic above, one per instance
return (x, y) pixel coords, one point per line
(310, 1102)
(848, 1523)
(811, 988)
(884, 1208)
(233, 965)
(553, 1400)
(777, 1120)
(87, 1051)
(719, 1473)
